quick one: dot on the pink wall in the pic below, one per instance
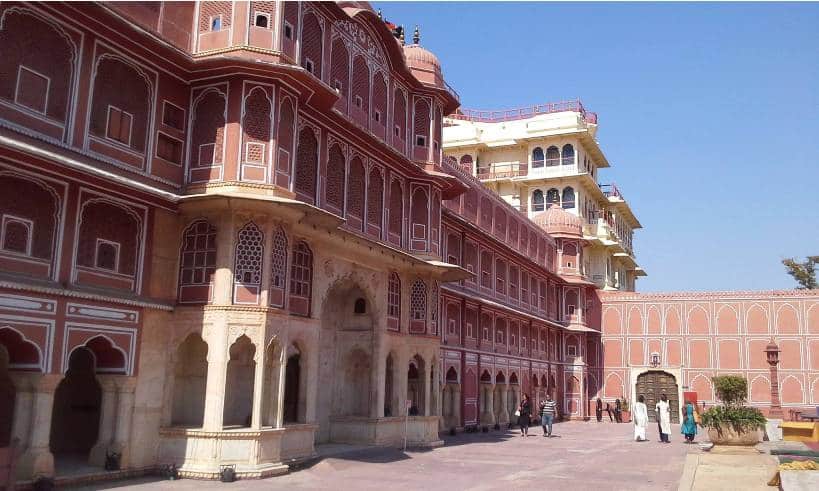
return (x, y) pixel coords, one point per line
(713, 333)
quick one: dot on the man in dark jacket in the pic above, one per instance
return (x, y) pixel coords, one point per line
(599, 410)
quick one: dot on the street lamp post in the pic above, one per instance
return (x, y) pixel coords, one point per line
(772, 352)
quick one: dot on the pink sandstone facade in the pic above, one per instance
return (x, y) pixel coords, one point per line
(229, 234)
(697, 335)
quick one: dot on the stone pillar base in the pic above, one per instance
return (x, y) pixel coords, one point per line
(35, 463)
(773, 430)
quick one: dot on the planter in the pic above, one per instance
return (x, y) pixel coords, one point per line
(726, 435)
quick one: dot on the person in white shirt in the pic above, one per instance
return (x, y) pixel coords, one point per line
(664, 418)
(640, 419)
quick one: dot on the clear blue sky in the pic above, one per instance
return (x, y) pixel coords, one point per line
(709, 115)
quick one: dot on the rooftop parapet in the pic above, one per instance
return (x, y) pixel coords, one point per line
(498, 116)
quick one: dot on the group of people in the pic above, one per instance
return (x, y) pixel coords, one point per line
(547, 412)
(690, 419)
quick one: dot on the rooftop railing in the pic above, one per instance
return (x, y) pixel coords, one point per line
(611, 190)
(525, 112)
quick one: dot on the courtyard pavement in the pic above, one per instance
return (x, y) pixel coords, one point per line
(581, 455)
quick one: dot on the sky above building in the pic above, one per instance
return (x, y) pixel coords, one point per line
(709, 115)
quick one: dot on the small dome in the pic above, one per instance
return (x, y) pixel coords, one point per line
(558, 222)
(423, 64)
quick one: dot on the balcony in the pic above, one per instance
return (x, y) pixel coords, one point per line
(502, 171)
(611, 191)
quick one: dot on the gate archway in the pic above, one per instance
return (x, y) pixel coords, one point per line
(652, 385)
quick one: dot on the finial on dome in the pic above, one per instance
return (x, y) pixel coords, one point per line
(379, 14)
(416, 36)
(401, 36)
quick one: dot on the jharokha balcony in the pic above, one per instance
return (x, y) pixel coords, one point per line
(498, 116)
(502, 171)
(612, 191)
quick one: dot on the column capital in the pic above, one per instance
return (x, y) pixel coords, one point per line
(48, 382)
(125, 384)
(24, 381)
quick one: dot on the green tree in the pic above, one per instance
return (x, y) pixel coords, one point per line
(804, 273)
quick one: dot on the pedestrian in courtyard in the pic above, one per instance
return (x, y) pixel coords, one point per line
(664, 418)
(599, 410)
(689, 422)
(640, 419)
(618, 411)
(548, 408)
(608, 411)
(524, 413)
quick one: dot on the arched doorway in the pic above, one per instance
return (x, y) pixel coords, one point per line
(415, 386)
(346, 358)
(241, 374)
(390, 409)
(190, 378)
(75, 420)
(292, 386)
(652, 384)
(7, 394)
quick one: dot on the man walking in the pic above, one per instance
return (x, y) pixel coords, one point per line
(599, 410)
(618, 411)
(548, 408)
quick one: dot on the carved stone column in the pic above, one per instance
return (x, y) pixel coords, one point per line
(456, 405)
(258, 386)
(503, 415)
(215, 385)
(23, 404)
(427, 389)
(125, 412)
(488, 416)
(378, 375)
(108, 413)
(37, 460)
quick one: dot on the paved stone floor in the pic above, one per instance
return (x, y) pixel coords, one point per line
(580, 456)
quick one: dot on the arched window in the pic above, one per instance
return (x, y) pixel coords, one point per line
(537, 158)
(278, 266)
(361, 91)
(394, 302)
(356, 182)
(340, 72)
(553, 196)
(375, 202)
(568, 197)
(306, 165)
(420, 219)
(197, 262)
(568, 154)
(418, 305)
(301, 279)
(336, 176)
(537, 200)
(247, 270)
(396, 213)
(552, 156)
(312, 43)
(360, 306)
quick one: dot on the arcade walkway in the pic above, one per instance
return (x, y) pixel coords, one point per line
(583, 455)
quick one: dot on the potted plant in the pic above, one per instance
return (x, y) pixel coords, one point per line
(625, 411)
(733, 423)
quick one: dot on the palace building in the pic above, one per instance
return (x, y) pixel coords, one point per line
(233, 231)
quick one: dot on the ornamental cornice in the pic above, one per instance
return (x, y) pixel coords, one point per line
(65, 292)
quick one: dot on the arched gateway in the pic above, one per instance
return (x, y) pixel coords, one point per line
(652, 384)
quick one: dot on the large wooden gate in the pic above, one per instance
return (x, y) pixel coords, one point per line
(652, 385)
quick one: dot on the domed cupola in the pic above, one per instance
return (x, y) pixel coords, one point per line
(423, 64)
(559, 223)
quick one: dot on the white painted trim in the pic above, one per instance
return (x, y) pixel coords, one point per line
(20, 69)
(28, 224)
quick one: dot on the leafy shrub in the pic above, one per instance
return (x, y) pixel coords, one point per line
(732, 390)
(742, 419)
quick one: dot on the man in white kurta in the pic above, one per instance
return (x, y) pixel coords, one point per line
(640, 419)
(664, 418)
